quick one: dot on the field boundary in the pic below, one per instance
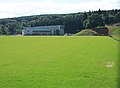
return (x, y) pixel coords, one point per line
(114, 38)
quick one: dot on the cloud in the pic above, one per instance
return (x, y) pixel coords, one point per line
(50, 7)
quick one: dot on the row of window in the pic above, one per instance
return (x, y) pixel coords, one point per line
(38, 31)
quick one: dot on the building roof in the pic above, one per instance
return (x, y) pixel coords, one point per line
(37, 28)
(42, 27)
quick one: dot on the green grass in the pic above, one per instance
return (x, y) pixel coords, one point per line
(86, 32)
(58, 62)
(113, 30)
(116, 36)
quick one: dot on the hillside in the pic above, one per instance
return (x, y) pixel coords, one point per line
(86, 32)
(73, 22)
(114, 30)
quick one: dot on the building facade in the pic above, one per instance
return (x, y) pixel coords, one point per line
(44, 30)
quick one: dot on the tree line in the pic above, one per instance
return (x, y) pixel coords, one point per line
(73, 22)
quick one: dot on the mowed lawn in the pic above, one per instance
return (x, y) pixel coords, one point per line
(59, 62)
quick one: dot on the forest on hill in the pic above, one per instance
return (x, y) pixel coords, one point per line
(73, 22)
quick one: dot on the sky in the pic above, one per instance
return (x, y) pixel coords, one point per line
(17, 8)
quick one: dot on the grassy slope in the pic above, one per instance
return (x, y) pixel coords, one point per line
(58, 62)
(86, 32)
(114, 31)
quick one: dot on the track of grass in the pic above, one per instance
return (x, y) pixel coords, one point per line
(116, 37)
(58, 62)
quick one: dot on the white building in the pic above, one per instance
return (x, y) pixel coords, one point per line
(44, 30)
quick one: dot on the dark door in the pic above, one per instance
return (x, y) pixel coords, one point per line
(57, 32)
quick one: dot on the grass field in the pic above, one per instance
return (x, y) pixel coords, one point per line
(59, 62)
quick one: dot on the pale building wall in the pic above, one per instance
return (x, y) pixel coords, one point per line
(48, 30)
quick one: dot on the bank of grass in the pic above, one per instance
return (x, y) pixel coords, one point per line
(86, 32)
(58, 62)
(114, 30)
(116, 36)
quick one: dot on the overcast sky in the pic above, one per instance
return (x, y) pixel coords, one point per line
(16, 8)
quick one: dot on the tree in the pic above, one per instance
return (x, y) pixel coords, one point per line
(33, 23)
(18, 31)
(117, 17)
(99, 12)
(12, 28)
(24, 24)
(94, 21)
(4, 30)
(1, 32)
